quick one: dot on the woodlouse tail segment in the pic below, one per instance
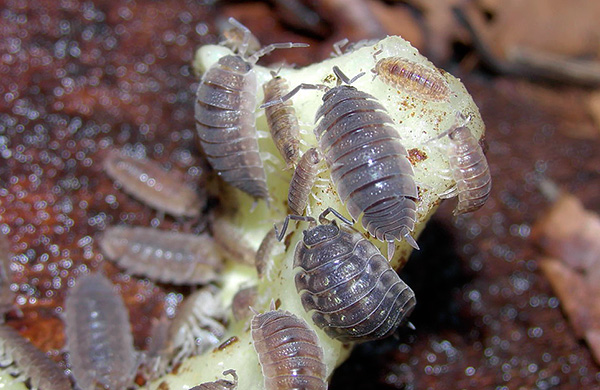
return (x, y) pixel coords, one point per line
(291, 94)
(286, 222)
(345, 79)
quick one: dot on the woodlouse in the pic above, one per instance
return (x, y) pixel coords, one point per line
(350, 288)
(231, 241)
(164, 256)
(470, 170)
(148, 182)
(282, 121)
(288, 351)
(242, 301)
(264, 252)
(195, 329)
(225, 118)
(413, 78)
(369, 165)
(303, 181)
(221, 384)
(29, 362)
(7, 296)
(98, 332)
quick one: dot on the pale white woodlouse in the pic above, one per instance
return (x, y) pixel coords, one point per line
(169, 257)
(148, 182)
(288, 351)
(98, 332)
(344, 282)
(29, 362)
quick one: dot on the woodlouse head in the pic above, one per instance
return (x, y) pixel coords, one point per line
(235, 63)
(320, 234)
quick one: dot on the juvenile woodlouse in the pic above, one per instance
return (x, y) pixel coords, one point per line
(7, 296)
(264, 252)
(164, 256)
(98, 332)
(413, 78)
(195, 329)
(148, 182)
(350, 288)
(288, 351)
(225, 118)
(29, 362)
(303, 181)
(231, 241)
(221, 384)
(369, 165)
(470, 170)
(242, 301)
(282, 121)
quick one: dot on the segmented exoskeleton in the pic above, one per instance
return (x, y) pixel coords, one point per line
(413, 78)
(282, 120)
(369, 164)
(345, 282)
(221, 384)
(164, 256)
(98, 334)
(7, 296)
(29, 362)
(195, 329)
(225, 118)
(148, 182)
(470, 170)
(303, 181)
(288, 351)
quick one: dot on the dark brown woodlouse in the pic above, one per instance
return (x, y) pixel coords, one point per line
(221, 384)
(350, 288)
(288, 351)
(30, 362)
(303, 181)
(369, 165)
(98, 332)
(413, 78)
(225, 118)
(470, 170)
(282, 121)
(242, 301)
(148, 182)
(164, 256)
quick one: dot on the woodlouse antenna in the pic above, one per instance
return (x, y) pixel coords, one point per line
(247, 35)
(294, 91)
(345, 79)
(331, 210)
(274, 46)
(286, 221)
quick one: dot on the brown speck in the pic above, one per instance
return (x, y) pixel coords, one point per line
(415, 156)
(277, 303)
(227, 343)
(163, 386)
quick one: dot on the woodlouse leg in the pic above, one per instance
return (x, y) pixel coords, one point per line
(328, 210)
(291, 94)
(286, 221)
(337, 47)
(345, 79)
(233, 375)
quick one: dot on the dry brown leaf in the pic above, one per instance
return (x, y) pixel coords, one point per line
(571, 233)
